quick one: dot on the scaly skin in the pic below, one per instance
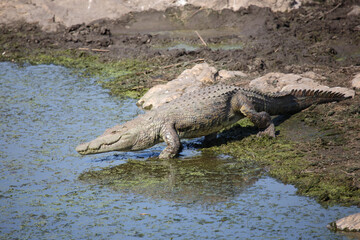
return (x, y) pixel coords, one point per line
(203, 113)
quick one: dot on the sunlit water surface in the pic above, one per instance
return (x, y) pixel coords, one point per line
(48, 191)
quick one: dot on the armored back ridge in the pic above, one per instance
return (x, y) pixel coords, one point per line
(204, 112)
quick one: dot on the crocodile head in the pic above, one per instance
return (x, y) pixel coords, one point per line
(118, 138)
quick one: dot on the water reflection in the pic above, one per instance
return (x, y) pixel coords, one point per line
(203, 179)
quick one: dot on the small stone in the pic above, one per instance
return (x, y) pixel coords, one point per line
(355, 11)
(355, 83)
(224, 74)
(349, 223)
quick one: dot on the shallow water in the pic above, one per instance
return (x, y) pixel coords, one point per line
(188, 47)
(48, 191)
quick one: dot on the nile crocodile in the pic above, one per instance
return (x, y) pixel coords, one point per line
(203, 113)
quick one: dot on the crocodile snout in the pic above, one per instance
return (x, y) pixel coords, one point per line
(82, 148)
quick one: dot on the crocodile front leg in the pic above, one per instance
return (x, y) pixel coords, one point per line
(171, 138)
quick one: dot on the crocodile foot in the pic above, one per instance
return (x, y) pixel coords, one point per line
(269, 131)
(167, 155)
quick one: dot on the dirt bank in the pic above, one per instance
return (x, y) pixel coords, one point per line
(52, 14)
(154, 46)
(318, 37)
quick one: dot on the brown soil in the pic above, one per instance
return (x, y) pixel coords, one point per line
(318, 37)
(314, 37)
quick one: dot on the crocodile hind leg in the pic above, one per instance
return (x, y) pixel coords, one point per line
(269, 131)
(260, 119)
(171, 138)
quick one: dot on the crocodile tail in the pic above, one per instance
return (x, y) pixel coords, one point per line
(291, 102)
(318, 96)
(307, 97)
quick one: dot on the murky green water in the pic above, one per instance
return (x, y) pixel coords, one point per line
(48, 191)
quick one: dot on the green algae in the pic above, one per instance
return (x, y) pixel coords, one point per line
(202, 179)
(123, 78)
(285, 160)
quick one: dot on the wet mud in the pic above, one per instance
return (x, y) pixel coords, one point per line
(308, 37)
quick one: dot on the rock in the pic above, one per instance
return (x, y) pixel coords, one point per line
(355, 11)
(346, 91)
(203, 74)
(189, 80)
(275, 82)
(355, 83)
(278, 82)
(224, 74)
(349, 223)
(157, 96)
(312, 75)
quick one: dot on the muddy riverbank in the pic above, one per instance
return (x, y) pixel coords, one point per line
(143, 49)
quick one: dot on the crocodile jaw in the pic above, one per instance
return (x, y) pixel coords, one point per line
(113, 141)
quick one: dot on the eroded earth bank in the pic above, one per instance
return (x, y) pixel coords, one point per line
(317, 150)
